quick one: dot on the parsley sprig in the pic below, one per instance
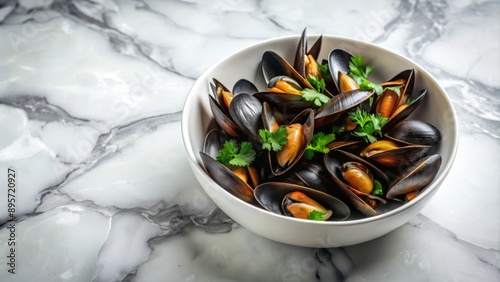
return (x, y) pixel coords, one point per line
(318, 84)
(232, 154)
(369, 124)
(377, 188)
(360, 71)
(325, 72)
(273, 140)
(318, 144)
(316, 215)
(315, 95)
(312, 95)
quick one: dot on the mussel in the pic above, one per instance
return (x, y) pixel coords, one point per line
(305, 60)
(389, 102)
(299, 201)
(284, 94)
(392, 154)
(285, 84)
(331, 111)
(356, 178)
(415, 177)
(414, 132)
(299, 134)
(233, 117)
(315, 175)
(227, 179)
(407, 142)
(338, 63)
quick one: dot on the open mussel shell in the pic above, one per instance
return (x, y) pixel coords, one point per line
(415, 177)
(334, 161)
(306, 119)
(246, 111)
(316, 176)
(227, 179)
(338, 61)
(331, 111)
(284, 102)
(394, 155)
(302, 51)
(217, 89)
(271, 194)
(244, 86)
(408, 77)
(214, 142)
(389, 102)
(224, 120)
(405, 112)
(274, 65)
(414, 132)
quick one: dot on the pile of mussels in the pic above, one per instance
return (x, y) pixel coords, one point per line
(339, 183)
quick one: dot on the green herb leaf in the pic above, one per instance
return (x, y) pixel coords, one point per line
(318, 144)
(325, 72)
(396, 89)
(336, 129)
(368, 85)
(359, 71)
(369, 125)
(318, 84)
(377, 188)
(232, 155)
(273, 140)
(312, 95)
(316, 215)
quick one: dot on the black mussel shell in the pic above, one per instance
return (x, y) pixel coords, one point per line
(339, 104)
(412, 106)
(338, 61)
(284, 102)
(223, 120)
(333, 163)
(245, 111)
(415, 177)
(227, 179)
(214, 142)
(271, 194)
(414, 132)
(244, 86)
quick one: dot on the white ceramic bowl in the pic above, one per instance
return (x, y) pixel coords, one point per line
(197, 117)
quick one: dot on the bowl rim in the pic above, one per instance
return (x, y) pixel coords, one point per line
(433, 186)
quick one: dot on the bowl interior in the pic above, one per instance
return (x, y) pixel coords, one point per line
(435, 109)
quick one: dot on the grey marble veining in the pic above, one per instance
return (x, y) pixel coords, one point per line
(90, 99)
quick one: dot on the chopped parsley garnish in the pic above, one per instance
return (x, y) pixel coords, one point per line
(369, 125)
(318, 84)
(312, 95)
(359, 71)
(233, 155)
(273, 140)
(325, 72)
(396, 89)
(377, 188)
(316, 215)
(318, 144)
(368, 85)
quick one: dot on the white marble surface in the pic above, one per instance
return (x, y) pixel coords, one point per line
(90, 99)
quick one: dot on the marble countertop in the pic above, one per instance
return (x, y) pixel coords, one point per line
(91, 94)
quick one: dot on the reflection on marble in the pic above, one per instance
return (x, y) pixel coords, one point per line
(90, 100)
